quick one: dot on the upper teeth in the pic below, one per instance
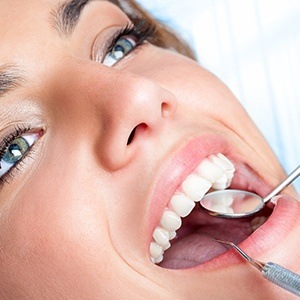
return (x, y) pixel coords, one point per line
(216, 172)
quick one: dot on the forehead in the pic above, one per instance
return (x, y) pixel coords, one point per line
(23, 21)
(38, 35)
(34, 24)
(13, 13)
(43, 10)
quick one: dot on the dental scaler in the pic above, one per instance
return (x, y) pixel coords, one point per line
(274, 273)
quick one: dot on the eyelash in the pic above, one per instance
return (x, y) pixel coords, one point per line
(141, 30)
(17, 132)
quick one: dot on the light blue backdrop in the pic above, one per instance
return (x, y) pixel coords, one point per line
(254, 47)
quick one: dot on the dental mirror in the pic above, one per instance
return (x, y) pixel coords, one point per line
(234, 204)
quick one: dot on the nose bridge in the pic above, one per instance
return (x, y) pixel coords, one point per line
(134, 99)
(115, 109)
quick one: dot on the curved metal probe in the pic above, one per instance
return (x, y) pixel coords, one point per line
(257, 264)
(276, 274)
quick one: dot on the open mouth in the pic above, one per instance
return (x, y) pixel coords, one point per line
(185, 235)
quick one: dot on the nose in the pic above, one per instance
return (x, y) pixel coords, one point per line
(134, 110)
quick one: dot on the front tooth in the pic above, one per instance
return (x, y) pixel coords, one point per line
(221, 183)
(182, 205)
(224, 158)
(170, 220)
(195, 187)
(161, 236)
(219, 162)
(209, 171)
(155, 250)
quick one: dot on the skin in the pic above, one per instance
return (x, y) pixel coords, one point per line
(73, 220)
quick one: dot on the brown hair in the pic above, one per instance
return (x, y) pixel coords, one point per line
(163, 36)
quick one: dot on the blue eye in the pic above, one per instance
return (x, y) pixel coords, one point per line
(122, 47)
(124, 41)
(15, 150)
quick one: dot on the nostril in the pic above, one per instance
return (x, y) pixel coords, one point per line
(167, 109)
(141, 127)
(131, 136)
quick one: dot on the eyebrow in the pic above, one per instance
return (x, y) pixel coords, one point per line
(10, 78)
(65, 17)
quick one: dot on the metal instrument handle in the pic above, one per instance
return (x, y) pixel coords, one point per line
(282, 277)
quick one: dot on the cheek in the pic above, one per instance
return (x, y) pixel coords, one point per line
(49, 239)
(202, 98)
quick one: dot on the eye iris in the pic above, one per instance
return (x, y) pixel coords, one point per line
(122, 47)
(16, 150)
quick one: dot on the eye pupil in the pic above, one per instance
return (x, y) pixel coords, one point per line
(118, 52)
(16, 150)
(122, 47)
(119, 48)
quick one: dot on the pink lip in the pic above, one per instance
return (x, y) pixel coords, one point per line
(177, 169)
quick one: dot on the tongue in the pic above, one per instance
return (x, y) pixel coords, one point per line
(198, 246)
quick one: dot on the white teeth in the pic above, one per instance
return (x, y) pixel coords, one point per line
(216, 172)
(155, 250)
(217, 160)
(167, 246)
(170, 220)
(209, 171)
(182, 205)
(228, 168)
(158, 259)
(221, 183)
(161, 236)
(195, 187)
(224, 158)
(172, 235)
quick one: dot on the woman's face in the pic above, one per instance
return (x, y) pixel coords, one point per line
(94, 146)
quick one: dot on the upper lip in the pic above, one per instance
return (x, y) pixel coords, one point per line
(180, 166)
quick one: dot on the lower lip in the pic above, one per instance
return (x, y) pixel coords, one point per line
(272, 233)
